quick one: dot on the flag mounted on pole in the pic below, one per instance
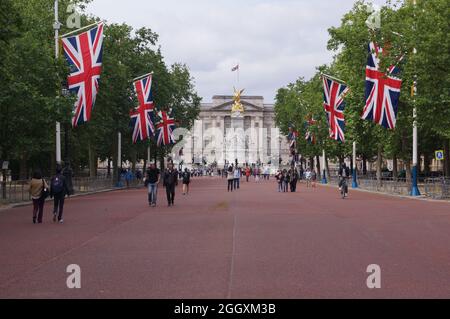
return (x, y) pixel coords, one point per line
(165, 128)
(382, 91)
(334, 105)
(310, 136)
(142, 117)
(83, 53)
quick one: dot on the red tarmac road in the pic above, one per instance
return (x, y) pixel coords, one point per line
(253, 243)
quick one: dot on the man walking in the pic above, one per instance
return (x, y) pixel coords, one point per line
(237, 177)
(170, 182)
(58, 191)
(152, 181)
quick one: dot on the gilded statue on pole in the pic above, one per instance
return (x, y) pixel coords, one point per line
(237, 109)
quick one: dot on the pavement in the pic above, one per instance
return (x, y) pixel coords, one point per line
(252, 243)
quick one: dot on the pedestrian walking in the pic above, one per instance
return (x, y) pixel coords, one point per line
(313, 179)
(58, 191)
(186, 176)
(151, 182)
(230, 179)
(237, 177)
(170, 183)
(294, 180)
(286, 181)
(279, 178)
(248, 172)
(308, 177)
(38, 192)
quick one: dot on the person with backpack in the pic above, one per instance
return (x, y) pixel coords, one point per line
(58, 191)
(170, 182)
(38, 192)
(186, 176)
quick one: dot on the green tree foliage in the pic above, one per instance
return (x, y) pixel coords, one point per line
(32, 81)
(403, 28)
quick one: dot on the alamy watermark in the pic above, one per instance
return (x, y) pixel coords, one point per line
(74, 279)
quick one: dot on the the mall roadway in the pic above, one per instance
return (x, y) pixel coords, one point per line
(254, 243)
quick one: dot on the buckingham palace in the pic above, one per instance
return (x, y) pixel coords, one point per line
(223, 136)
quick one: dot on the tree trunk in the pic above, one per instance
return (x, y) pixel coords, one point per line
(408, 172)
(23, 174)
(447, 158)
(364, 158)
(319, 171)
(92, 161)
(426, 164)
(379, 163)
(108, 173)
(395, 167)
(133, 161)
(311, 163)
(327, 166)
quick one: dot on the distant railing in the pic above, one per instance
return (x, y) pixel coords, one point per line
(438, 188)
(18, 191)
(386, 185)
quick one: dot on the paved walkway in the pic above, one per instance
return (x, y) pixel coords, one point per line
(254, 243)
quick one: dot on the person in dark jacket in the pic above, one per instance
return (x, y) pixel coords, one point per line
(294, 179)
(186, 181)
(170, 182)
(151, 182)
(58, 191)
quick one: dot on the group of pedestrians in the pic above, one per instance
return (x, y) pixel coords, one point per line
(40, 190)
(234, 174)
(170, 182)
(287, 180)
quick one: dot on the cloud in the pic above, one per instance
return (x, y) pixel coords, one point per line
(275, 42)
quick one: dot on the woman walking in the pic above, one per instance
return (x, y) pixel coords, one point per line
(38, 192)
(230, 178)
(186, 181)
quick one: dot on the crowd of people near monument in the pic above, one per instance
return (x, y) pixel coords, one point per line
(59, 187)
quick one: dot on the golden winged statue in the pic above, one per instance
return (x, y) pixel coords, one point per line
(237, 106)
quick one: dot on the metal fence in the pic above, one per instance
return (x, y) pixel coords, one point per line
(18, 191)
(438, 188)
(387, 185)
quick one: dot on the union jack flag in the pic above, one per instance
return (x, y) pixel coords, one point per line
(334, 93)
(165, 128)
(142, 116)
(382, 90)
(309, 136)
(292, 137)
(83, 52)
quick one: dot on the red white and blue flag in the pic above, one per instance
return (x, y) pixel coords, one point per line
(83, 52)
(309, 136)
(382, 90)
(334, 93)
(142, 117)
(165, 128)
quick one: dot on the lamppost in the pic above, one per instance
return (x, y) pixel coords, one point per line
(56, 27)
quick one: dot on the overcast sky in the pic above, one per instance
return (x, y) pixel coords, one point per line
(275, 42)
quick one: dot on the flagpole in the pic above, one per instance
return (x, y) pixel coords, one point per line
(332, 78)
(355, 179)
(142, 76)
(78, 30)
(324, 176)
(415, 189)
(56, 27)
